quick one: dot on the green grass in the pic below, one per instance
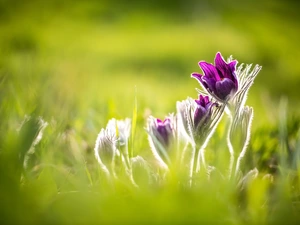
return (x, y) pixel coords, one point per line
(78, 65)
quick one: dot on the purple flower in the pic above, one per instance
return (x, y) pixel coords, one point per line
(220, 79)
(164, 131)
(203, 110)
(198, 118)
(161, 137)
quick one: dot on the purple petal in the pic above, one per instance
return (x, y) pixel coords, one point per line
(209, 70)
(202, 100)
(203, 110)
(209, 84)
(164, 130)
(199, 115)
(224, 88)
(232, 65)
(219, 60)
(199, 101)
(206, 100)
(198, 76)
(159, 122)
(225, 70)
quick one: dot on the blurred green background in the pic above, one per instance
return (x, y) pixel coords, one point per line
(76, 57)
(79, 63)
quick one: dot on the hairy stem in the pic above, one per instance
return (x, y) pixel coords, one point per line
(247, 139)
(192, 164)
(230, 147)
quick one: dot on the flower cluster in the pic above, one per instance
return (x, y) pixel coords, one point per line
(187, 133)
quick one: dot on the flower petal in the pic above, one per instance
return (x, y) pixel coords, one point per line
(232, 65)
(202, 100)
(198, 76)
(209, 70)
(224, 88)
(225, 70)
(209, 84)
(219, 60)
(199, 115)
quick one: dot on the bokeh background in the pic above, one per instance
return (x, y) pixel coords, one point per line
(79, 63)
(59, 56)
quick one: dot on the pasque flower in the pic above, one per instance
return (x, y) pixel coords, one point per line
(220, 79)
(112, 143)
(198, 119)
(105, 150)
(229, 85)
(161, 137)
(203, 111)
(163, 131)
(121, 128)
